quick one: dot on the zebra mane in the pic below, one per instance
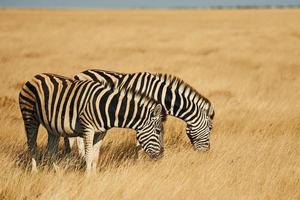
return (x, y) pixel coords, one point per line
(104, 84)
(120, 88)
(174, 80)
(59, 76)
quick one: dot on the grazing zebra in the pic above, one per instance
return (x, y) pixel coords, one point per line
(178, 98)
(71, 108)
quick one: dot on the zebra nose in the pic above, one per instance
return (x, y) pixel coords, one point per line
(156, 155)
(208, 147)
(162, 150)
(203, 148)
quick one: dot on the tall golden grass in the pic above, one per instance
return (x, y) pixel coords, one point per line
(245, 61)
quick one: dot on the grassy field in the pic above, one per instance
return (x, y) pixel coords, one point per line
(247, 62)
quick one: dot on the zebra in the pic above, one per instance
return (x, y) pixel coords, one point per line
(178, 98)
(72, 108)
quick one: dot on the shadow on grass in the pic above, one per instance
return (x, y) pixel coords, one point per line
(114, 156)
(110, 156)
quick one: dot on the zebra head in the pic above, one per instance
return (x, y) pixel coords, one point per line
(200, 129)
(150, 135)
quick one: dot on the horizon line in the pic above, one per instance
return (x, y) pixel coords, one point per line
(154, 7)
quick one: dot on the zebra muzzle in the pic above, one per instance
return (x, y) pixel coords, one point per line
(156, 155)
(203, 148)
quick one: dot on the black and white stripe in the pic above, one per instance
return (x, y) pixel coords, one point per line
(177, 97)
(71, 108)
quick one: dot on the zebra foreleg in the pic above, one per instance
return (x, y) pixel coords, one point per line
(88, 136)
(80, 143)
(98, 138)
(80, 146)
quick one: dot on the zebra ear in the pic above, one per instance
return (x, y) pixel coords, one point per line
(157, 110)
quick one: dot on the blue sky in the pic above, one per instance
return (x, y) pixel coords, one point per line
(140, 3)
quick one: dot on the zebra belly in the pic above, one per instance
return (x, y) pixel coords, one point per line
(60, 126)
(62, 133)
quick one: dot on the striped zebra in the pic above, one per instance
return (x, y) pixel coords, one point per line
(71, 108)
(177, 97)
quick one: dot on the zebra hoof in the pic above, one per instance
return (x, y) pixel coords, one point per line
(34, 171)
(88, 173)
(56, 167)
(33, 166)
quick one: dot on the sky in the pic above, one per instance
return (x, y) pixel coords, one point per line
(141, 3)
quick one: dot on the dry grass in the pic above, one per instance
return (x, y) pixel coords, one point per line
(245, 61)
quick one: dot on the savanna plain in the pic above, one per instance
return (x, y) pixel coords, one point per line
(247, 62)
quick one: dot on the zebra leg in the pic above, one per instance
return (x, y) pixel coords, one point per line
(52, 148)
(68, 144)
(98, 138)
(53, 142)
(80, 146)
(88, 136)
(32, 128)
(137, 149)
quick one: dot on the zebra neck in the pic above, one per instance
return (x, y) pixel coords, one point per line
(119, 109)
(136, 115)
(186, 108)
(87, 90)
(182, 101)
